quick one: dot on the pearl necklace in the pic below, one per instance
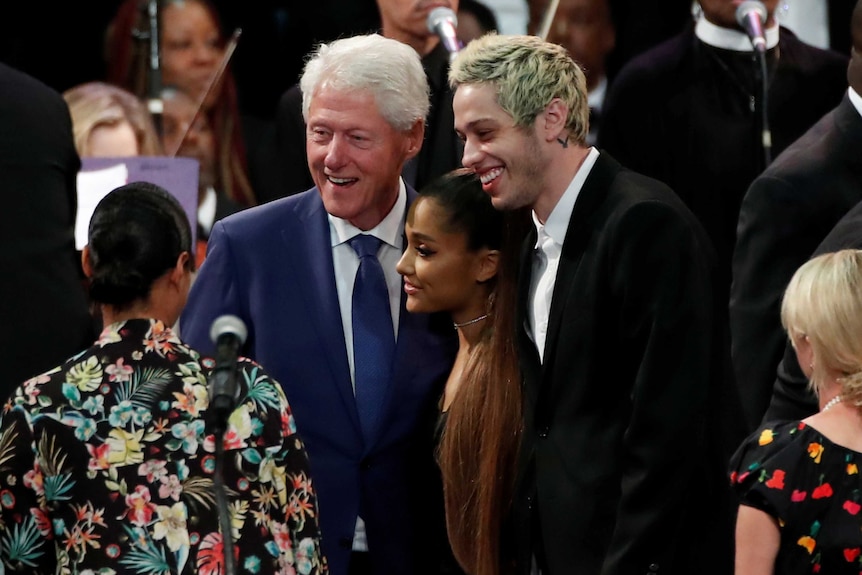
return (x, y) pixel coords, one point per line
(832, 402)
(472, 321)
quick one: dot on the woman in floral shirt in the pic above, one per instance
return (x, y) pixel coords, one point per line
(799, 482)
(105, 466)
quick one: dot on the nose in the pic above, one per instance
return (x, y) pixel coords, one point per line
(405, 264)
(336, 154)
(472, 154)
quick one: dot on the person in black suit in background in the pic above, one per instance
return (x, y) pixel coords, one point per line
(614, 329)
(43, 304)
(792, 396)
(405, 21)
(786, 213)
(687, 112)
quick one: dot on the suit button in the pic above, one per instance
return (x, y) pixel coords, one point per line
(365, 464)
(345, 543)
(544, 430)
(653, 568)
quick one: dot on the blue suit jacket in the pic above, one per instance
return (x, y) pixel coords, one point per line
(272, 266)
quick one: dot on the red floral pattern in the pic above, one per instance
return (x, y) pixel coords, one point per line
(812, 487)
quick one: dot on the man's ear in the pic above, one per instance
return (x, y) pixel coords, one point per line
(415, 136)
(553, 120)
(488, 265)
(86, 264)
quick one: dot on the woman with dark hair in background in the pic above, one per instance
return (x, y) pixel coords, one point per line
(461, 258)
(105, 462)
(192, 47)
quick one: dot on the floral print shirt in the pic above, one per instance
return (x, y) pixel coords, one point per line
(813, 488)
(105, 467)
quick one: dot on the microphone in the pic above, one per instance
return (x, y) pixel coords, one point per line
(228, 332)
(443, 22)
(751, 15)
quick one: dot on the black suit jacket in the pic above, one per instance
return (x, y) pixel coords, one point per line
(441, 150)
(792, 398)
(614, 455)
(786, 213)
(680, 114)
(43, 306)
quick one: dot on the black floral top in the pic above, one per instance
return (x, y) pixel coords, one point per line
(105, 467)
(812, 487)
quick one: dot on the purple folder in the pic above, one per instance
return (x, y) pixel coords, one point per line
(99, 176)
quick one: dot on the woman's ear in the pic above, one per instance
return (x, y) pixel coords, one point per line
(181, 268)
(488, 265)
(86, 264)
(804, 353)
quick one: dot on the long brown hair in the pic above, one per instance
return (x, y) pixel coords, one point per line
(479, 444)
(127, 67)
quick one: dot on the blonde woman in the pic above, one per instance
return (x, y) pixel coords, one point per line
(799, 481)
(109, 121)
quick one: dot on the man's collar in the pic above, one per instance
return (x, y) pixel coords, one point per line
(390, 230)
(730, 38)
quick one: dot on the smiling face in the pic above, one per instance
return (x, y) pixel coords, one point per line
(507, 158)
(440, 272)
(355, 156)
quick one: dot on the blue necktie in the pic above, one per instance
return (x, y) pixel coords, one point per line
(373, 337)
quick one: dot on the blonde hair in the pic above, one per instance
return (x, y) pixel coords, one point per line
(823, 302)
(527, 73)
(96, 104)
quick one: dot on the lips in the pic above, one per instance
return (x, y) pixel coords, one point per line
(409, 288)
(490, 175)
(341, 181)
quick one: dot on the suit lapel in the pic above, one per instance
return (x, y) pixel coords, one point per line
(319, 293)
(578, 233)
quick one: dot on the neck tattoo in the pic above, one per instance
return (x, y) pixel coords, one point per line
(471, 322)
(564, 143)
(831, 403)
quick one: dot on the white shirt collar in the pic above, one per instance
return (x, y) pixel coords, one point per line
(558, 221)
(855, 99)
(207, 210)
(389, 230)
(731, 39)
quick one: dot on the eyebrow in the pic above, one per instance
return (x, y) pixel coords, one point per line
(421, 236)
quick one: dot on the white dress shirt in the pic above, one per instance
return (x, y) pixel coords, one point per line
(546, 258)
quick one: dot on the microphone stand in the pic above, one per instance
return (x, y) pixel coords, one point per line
(218, 413)
(154, 76)
(222, 505)
(765, 132)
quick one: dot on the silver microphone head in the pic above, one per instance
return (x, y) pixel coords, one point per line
(228, 324)
(438, 15)
(746, 8)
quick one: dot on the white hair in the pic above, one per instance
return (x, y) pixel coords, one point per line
(391, 71)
